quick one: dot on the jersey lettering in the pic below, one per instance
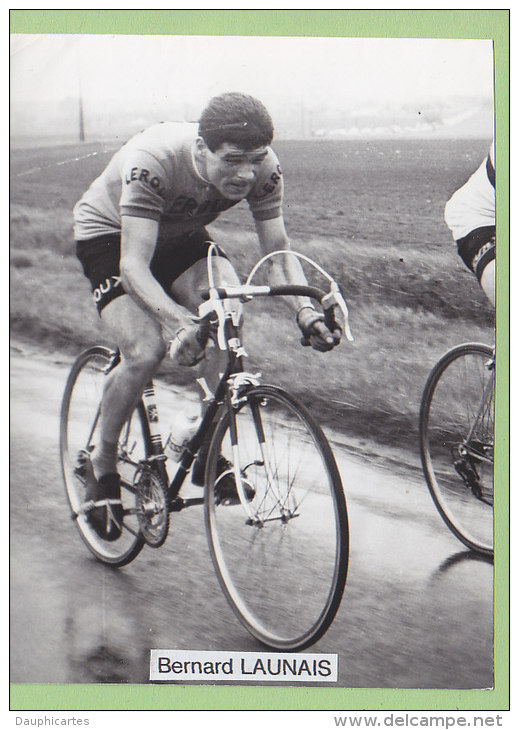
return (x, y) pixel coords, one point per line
(143, 175)
(270, 186)
(186, 206)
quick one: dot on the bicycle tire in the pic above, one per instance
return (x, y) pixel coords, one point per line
(289, 601)
(448, 410)
(77, 428)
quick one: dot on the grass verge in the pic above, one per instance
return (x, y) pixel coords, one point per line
(410, 297)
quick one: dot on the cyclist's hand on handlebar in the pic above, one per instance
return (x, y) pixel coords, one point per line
(188, 345)
(322, 333)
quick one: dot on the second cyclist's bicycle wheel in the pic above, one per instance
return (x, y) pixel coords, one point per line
(457, 442)
(281, 554)
(78, 434)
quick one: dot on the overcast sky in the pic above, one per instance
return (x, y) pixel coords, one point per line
(194, 68)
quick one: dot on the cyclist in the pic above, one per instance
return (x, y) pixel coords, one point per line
(470, 215)
(140, 237)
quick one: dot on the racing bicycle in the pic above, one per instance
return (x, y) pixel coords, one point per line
(457, 442)
(280, 550)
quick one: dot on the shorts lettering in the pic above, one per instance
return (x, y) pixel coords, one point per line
(482, 251)
(105, 286)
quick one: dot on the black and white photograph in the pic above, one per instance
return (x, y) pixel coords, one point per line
(252, 351)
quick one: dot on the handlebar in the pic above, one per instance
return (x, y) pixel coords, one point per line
(248, 292)
(328, 300)
(212, 299)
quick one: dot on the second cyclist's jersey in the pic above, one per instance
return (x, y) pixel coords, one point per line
(154, 176)
(473, 205)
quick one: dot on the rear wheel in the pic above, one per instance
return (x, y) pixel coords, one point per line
(457, 442)
(281, 556)
(78, 434)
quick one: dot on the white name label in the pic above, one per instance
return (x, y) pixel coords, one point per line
(233, 666)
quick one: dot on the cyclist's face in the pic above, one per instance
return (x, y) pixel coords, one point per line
(231, 169)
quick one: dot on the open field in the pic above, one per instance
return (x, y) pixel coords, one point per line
(370, 212)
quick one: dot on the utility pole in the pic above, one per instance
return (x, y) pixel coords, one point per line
(81, 113)
(81, 120)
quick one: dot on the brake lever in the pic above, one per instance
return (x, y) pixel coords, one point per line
(333, 299)
(206, 308)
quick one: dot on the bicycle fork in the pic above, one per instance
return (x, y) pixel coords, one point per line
(234, 399)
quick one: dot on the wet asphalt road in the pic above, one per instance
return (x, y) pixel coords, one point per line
(416, 612)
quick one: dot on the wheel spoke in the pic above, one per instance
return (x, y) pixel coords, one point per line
(284, 571)
(78, 435)
(457, 436)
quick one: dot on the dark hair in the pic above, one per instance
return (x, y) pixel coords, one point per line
(236, 118)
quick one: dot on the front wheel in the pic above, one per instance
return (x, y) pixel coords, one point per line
(80, 411)
(281, 553)
(457, 442)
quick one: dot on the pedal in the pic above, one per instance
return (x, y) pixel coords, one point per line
(83, 458)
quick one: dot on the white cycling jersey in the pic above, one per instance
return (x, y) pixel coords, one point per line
(473, 205)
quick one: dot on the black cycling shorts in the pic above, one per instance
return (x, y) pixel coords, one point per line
(100, 260)
(478, 248)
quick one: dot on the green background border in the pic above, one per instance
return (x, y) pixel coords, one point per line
(493, 24)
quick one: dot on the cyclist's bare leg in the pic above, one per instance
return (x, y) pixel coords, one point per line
(488, 281)
(186, 291)
(139, 338)
(140, 341)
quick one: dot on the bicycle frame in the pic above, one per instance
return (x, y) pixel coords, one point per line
(484, 405)
(191, 448)
(234, 377)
